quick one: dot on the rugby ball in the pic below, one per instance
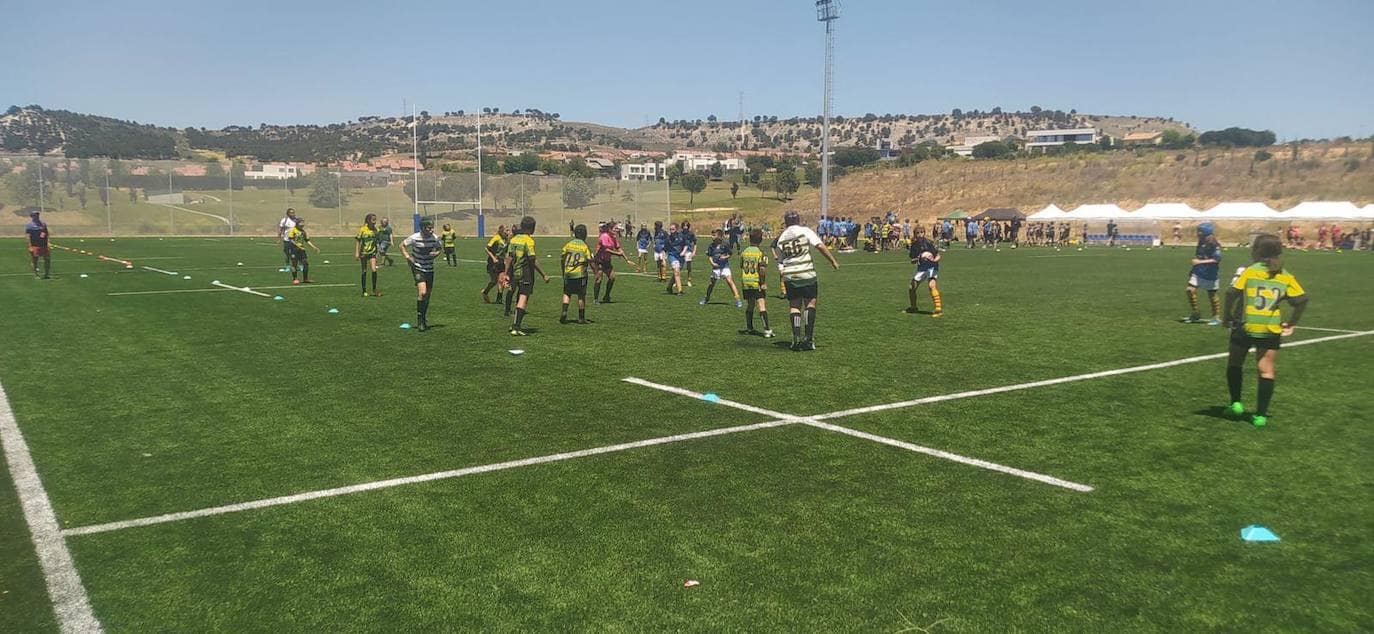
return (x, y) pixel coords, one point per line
(927, 256)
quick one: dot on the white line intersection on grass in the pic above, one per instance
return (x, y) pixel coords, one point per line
(781, 419)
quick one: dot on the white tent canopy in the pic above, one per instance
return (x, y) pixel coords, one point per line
(1097, 212)
(1241, 211)
(1167, 211)
(1052, 212)
(1323, 210)
(1367, 212)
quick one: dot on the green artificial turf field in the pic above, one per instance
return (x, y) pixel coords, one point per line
(142, 394)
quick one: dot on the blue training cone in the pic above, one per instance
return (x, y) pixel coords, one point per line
(710, 397)
(1258, 534)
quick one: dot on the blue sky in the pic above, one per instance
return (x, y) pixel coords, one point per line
(1300, 68)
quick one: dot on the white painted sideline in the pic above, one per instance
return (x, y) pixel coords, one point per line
(1063, 379)
(243, 289)
(428, 477)
(1327, 329)
(70, 603)
(149, 268)
(812, 422)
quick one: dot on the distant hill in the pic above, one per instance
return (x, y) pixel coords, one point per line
(34, 129)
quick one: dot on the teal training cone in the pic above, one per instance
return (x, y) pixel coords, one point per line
(278, 298)
(333, 311)
(1258, 534)
(405, 326)
(710, 397)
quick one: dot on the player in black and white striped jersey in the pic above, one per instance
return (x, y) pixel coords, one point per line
(799, 274)
(420, 249)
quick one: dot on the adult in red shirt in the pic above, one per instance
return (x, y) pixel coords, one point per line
(607, 247)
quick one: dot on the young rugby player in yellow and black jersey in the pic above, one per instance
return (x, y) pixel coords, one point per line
(298, 240)
(574, 259)
(365, 252)
(753, 265)
(449, 238)
(496, 264)
(521, 265)
(1252, 309)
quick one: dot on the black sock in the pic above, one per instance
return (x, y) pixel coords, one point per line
(596, 290)
(362, 280)
(519, 317)
(374, 281)
(1266, 392)
(565, 312)
(305, 271)
(424, 310)
(749, 318)
(764, 315)
(582, 313)
(610, 284)
(1235, 378)
(810, 322)
(510, 296)
(710, 287)
(796, 326)
(419, 310)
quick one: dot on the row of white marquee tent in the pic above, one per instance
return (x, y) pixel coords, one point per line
(1307, 212)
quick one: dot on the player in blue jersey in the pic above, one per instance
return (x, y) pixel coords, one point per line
(660, 246)
(926, 256)
(642, 240)
(719, 252)
(675, 252)
(690, 253)
(1204, 275)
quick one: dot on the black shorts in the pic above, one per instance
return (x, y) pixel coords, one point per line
(423, 276)
(298, 255)
(494, 269)
(525, 288)
(604, 267)
(573, 286)
(287, 248)
(448, 250)
(751, 294)
(1241, 338)
(796, 292)
(367, 256)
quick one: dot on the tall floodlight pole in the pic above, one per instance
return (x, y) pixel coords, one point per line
(109, 219)
(415, 150)
(479, 164)
(827, 11)
(231, 197)
(40, 187)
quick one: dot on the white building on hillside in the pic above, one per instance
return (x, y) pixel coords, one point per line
(272, 171)
(643, 171)
(966, 148)
(1042, 139)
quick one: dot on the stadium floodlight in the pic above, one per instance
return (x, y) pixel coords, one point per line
(827, 11)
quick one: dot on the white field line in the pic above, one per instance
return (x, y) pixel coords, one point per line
(149, 268)
(812, 422)
(244, 289)
(198, 213)
(158, 257)
(222, 290)
(954, 457)
(1326, 329)
(428, 477)
(1063, 379)
(70, 603)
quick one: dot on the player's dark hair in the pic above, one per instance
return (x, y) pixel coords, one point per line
(370, 219)
(1268, 248)
(527, 225)
(658, 224)
(717, 233)
(755, 236)
(580, 232)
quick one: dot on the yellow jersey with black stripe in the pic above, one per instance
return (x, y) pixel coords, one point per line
(367, 240)
(575, 256)
(1263, 292)
(497, 246)
(449, 238)
(521, 251)
(751, 263)
(296, 236)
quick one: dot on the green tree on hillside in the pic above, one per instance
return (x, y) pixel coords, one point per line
(578, 191)
(717, 170)
(992, 150)
(326, 192)
(674, 172)
(236, 174)
(215, 171)
(1238, 137)
(694, 183)
(521, 163)
(786, 183)
(24, 185)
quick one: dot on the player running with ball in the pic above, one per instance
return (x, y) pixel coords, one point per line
(926, 256)
(1252, 307)
(799, 274)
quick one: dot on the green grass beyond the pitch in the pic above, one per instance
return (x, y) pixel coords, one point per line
(140, 405)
